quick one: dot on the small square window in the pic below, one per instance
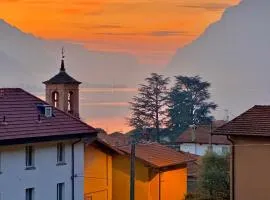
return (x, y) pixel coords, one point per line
(29, 194)
(29, 157)
(60, 153)
(60, 191)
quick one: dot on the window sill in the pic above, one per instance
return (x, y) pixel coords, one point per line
(60, 163)
(30, 168)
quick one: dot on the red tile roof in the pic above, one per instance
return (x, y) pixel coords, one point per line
(202, 135)
(158, 155)
(19, 108)
(253, 122)
(154, 154)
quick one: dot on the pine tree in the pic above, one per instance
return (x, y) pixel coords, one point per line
(189, 103)
(149, 109)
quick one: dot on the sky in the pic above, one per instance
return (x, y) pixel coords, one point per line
(151, 30)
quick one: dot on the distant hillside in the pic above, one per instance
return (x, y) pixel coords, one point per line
(233, 54)
(33, 60)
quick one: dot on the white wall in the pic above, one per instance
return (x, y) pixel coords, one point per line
(15, 179)
(200, 149)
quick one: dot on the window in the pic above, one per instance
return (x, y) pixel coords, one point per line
(1, 155)
(60, 153)
(29, 157)
(60, 191)
(70, 102)
(48, 111)
(55, 99)
(29, 194)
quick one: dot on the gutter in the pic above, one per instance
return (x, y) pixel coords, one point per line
(232, 169)
(72, 169)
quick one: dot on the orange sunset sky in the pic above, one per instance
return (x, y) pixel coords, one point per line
(151, 30)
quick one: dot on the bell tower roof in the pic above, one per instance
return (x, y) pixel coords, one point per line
(62, 77)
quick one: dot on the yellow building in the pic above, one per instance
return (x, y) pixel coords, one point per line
(98, 171)
(161, 172)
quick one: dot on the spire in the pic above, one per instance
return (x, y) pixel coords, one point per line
(62, 69)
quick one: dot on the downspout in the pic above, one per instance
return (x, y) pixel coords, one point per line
(232, 169)
(72, 169)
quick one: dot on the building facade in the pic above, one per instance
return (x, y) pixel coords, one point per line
(161, 172)
(42, 144)
(198, 140)
(45, 173)
(249, 134)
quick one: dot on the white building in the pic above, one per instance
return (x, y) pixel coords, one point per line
(197, 140)
(41, 149)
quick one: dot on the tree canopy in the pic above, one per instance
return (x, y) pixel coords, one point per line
(149, 109)
(189, 103)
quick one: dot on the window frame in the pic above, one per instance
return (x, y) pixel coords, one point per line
(55, 99)
(29, 157)
(29, 193)
(60, 195)
(60, 148)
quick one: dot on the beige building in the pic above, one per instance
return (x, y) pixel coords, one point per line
(249, 134)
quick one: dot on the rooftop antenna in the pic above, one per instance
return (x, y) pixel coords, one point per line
(227, 117)
(62, 69)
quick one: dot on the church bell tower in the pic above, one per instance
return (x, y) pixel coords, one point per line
(62, 91)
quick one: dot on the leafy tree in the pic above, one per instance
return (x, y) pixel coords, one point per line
(214, 178)
(149, 109)
(189, 103)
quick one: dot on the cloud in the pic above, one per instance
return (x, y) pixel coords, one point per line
(105, 26)
(158, 33)
(163, 33)
(111, 104)
(208, 6)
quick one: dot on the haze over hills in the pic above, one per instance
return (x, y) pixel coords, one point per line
(234, 55)
(26, 59)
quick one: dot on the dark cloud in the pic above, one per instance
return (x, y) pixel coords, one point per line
(208, 6)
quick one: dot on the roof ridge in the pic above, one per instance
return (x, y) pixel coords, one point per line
(67, 114)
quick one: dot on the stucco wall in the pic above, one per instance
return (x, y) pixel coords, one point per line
(121, 179)
(201, 149)
(15, 179)
(252, 164)
(173, 183)
(98, 174)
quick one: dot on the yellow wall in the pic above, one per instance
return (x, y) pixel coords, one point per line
(121, 170)
(98, 174)
(173, 183)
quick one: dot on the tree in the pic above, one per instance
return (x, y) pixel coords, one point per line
(189, 103)
(149, 109)
(214, 177)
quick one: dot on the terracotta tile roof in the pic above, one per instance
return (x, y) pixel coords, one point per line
(202, 135)
(253, 122)
(19, 108)
(157, 155)
(154, 154)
